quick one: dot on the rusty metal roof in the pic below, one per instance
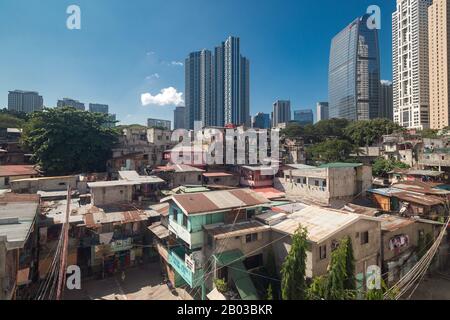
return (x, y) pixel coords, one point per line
(392, 223)
(227, 231)
(214, 201)
(17, 170)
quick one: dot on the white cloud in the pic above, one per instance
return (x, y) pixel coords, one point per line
(150, 53)
(177, 63)
(167, 97)
(153, 76)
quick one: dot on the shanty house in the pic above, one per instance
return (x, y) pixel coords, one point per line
(326, 228)
(10, 173)
(191, 214)
(18, 240)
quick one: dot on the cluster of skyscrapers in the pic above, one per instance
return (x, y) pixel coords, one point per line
(218, 86)
(31, 101)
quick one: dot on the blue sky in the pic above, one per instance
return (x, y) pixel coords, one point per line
(127, 48)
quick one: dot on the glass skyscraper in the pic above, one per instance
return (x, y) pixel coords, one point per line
(354, 72)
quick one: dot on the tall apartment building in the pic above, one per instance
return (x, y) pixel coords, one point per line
(179, 118)
(438, 39)
(281, 112)
(25, 101)
(410, 63)
(323, 112)
(217, 86)
(386, 100)
(354, 72)
(99, 108)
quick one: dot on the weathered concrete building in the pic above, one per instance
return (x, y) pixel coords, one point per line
(18, 240)
(330, 185)
(180, 175)
(326, 228)
(59, 183)
(10, 173)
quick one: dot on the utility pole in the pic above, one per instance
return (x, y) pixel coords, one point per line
(63, 257)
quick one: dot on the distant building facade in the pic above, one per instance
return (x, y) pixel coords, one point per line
(25, 101)
(281, 112)
(304, 117)
(323, 112)
(67, 102)
(386, 100)
(151, 123)
(261, 121)
(354, 72)
(99, 108)
(179, 115)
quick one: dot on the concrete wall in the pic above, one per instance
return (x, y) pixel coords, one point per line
(44, 184)
(412, 231)
(328, 186)
(110, 195)
(186, 178)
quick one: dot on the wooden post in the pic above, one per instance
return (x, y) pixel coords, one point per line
(63, 258)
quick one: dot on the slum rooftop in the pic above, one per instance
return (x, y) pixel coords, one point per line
(321, 223)
(133, 176)
(17, 170)
(17, 215)
(217, 201)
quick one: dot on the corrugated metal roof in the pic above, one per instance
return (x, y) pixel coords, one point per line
(17, 170)
(218, 200)
(391, 223)
(321, 223)
(133, 176)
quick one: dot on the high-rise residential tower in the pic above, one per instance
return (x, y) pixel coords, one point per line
(410, 63)
(194, 85)
(439, 49)
(236, 84)
(354, 72)
(386, 100)
(67, 102)
(323, 112)
(179, 118)
(25, 101)
(281, 112)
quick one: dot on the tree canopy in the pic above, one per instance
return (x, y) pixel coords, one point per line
(366, 133)
(66, 140)
(334, 150)
(293, 281)
(382, 167)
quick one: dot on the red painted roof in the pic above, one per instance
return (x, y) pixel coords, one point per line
(217, 174)
(270, 193)
(17, 170)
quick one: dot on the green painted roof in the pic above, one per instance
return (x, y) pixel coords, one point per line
(340, 165)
